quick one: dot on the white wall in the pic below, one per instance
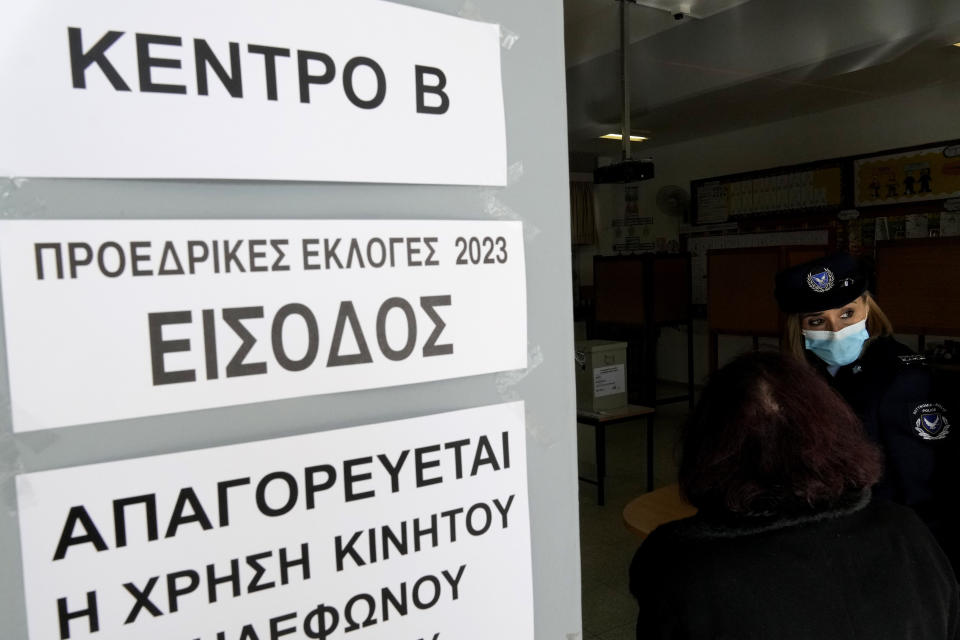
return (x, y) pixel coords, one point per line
(926, 115)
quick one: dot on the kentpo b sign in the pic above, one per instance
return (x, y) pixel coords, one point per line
(358, 91)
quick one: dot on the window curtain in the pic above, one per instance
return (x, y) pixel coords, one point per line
(583, 227)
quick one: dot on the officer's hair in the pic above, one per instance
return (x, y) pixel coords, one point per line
(770, 437)
(877, 325)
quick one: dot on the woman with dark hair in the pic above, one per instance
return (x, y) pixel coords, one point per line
(834, 323)
(787, 542)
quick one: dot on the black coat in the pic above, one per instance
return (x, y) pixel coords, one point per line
(863, 570)
(893, 392)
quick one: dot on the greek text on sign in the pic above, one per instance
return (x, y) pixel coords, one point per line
(357, 91)
(609, 380)
(411, 529)
(120, 319)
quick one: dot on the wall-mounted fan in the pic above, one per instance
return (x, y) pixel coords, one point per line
(674, 200)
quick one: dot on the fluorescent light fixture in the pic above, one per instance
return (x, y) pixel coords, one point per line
(617, 136)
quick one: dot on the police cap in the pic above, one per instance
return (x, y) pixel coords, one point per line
(824, 283)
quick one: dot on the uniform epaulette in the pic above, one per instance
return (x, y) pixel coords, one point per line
(913, 360)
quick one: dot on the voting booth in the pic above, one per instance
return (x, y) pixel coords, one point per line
(635, 296)
(740, 292)
(917, 285)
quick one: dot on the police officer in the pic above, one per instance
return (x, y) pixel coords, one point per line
(834, 322)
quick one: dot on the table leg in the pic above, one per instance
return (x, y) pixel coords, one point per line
(690, 387)
(713, 350)
(601, 446)
(650, 452)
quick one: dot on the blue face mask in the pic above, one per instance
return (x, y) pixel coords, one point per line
(838, 348)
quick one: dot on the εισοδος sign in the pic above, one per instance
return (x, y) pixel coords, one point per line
(119, 319)
(416, 528)
(359, 91)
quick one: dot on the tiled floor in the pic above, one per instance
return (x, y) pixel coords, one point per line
(606, 547)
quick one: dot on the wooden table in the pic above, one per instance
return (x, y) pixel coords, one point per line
(644, 514)
(599, 420)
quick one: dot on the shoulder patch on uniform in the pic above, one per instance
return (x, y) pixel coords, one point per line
(930, 421)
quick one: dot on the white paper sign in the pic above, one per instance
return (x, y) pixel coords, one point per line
(111, 319)
(609, 380)
(917, 225)
(404, 529)
(357, 91)
(949, 224)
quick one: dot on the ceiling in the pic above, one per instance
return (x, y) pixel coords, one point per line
(728, 64)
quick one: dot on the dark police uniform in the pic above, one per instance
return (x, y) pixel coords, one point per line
(904, 408)
(896, 397)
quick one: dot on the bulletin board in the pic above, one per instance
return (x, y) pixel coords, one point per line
(816, 189)
(918, 181)
(914, 175)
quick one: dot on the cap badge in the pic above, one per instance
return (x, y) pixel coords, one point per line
(931, 421)
(820, 282)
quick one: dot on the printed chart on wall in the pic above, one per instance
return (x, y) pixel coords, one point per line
(417, 528)
(722, 199)
(213, 313)
(358, 91)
